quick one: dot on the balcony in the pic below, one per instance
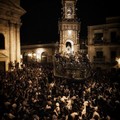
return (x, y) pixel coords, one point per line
(99, 59)
(105, 42)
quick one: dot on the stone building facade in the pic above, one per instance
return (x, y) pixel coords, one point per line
(103, 46)
(10, 13)
(104, 43)
(41, 52)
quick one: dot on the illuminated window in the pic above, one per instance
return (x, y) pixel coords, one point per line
(2, 41)
(44, 57)
(69, 32)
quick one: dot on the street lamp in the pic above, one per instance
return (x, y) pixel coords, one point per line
(118, 60)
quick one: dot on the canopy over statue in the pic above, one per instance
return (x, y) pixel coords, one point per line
(72, 66)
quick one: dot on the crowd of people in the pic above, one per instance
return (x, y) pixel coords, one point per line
(34, 93)
(65, 64)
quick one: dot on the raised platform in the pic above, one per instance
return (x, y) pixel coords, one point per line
(77, 70)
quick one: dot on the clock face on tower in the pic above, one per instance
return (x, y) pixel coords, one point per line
(69, 11)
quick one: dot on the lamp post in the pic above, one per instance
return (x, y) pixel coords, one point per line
(118, 60)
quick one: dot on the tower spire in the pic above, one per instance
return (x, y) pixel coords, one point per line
(69, 28)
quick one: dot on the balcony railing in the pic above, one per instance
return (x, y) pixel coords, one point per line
(99, 59)
(104, 42)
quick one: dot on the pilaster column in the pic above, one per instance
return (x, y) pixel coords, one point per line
(18, 48)
(12, 45)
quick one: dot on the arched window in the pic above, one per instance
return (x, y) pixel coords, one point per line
(2, 41)
(44, 57)
(68, 44)
(25, 57)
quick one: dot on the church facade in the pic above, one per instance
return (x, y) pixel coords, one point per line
(10, 13)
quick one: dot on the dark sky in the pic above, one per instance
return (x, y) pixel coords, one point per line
(40, 23)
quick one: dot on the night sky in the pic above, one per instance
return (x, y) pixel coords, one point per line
(40, 23)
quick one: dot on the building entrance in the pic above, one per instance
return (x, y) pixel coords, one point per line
(2, 65)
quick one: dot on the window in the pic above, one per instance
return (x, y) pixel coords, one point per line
(44, 57)
(113, 37)
(98, 38)
(99, 54)
(113, 55)
(68, 44)
(2, 41)
(2, 66)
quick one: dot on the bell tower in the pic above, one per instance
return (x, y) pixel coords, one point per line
(69, 28)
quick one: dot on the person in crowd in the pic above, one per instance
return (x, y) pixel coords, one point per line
(34, 93)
